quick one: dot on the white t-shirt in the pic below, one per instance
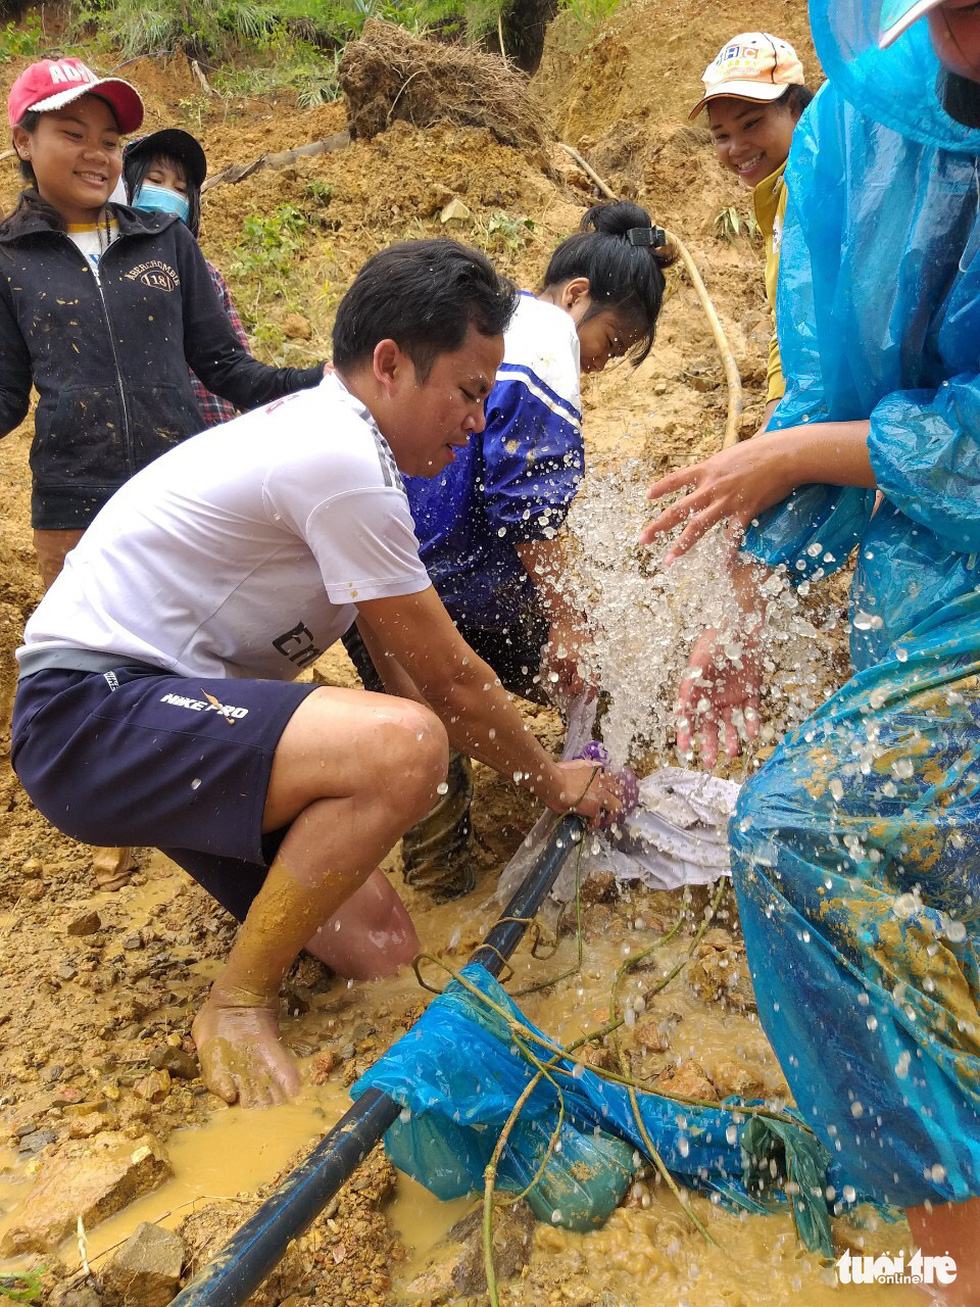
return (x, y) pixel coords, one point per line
(93, 239)
(244, 551)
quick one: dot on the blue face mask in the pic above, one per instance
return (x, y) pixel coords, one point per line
(153, 198)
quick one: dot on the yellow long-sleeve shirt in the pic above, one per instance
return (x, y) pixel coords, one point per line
(769, 204)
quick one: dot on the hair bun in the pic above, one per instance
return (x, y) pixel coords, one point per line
(630, 222)
(667, 253)
(615, 218)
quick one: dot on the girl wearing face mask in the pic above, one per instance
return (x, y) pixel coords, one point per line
(754, 94)
(164, 173)
(489, 524)
(102, 310)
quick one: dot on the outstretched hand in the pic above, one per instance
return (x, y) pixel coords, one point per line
(718, 697)
(736, 485)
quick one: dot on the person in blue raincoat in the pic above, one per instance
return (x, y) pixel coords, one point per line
(856, 847)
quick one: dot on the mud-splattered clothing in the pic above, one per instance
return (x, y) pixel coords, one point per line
(514, 482)
(856, 848)
(109, 356)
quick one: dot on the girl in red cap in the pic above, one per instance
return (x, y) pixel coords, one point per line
(103, 308)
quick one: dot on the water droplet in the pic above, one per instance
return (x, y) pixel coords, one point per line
(196, 783)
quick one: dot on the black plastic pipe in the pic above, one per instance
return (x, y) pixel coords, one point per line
(261, 1243)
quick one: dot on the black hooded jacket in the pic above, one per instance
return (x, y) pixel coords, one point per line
(110, 360)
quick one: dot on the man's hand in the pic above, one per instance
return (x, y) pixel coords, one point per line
(584, 787)
(718, 696)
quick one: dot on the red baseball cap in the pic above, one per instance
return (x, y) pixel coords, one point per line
(53, 83)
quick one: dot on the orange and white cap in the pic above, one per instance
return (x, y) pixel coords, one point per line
(751, 66)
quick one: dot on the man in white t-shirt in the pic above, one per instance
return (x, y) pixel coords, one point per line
(156, 704)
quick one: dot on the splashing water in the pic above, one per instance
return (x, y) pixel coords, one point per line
(644, 619)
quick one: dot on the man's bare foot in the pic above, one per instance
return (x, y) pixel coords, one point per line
(113, 867)
(242, 1058)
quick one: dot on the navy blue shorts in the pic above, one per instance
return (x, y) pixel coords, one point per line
(139, 757)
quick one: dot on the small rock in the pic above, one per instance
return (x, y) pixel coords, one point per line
(655, 1035)
(87, 1127)
(87, 924)
(455, 1268)
(66, 971)
(93, 1180)
(455, 211)
(731, 1077)
(716, 937)
(154, 1087)
(84, 1106)
(145, 1272)
(32, 868)
(182, 1065)
(133, 941)
(323, 1064)
(35, 1140)
(296, 327)
(75, 1295)
(599, 1056)
(689, 1080)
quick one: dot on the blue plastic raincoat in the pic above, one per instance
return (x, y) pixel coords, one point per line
(856, 849)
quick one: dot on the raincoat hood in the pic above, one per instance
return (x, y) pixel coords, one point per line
(897, 86)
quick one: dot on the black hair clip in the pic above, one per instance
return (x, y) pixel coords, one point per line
(651, 237)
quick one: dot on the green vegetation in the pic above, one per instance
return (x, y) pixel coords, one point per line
(259, 47)
(730, 225)
(24, 39)
(268, 244)
(590, 13)
(22, 1286)
(506, 231)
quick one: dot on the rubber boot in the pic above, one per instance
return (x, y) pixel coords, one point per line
(437, 853)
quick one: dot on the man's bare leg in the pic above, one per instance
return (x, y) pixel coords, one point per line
(351, 773)
(371, 935)
(951, 1229)
(113, 867)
